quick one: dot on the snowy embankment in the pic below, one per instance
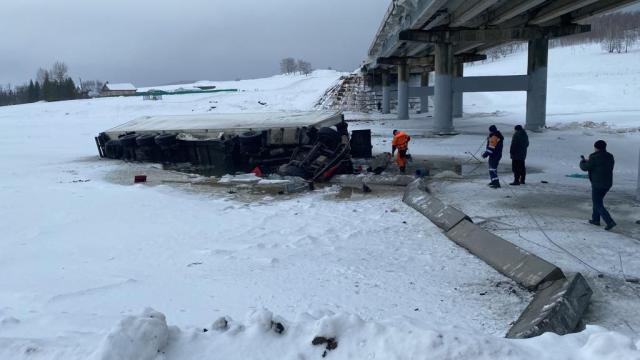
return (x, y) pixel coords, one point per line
(341, 336)
(82, 253)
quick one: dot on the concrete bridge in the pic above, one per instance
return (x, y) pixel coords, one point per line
(423, 36)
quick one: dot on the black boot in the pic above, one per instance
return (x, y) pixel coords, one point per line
(495, 184)
(515, 183)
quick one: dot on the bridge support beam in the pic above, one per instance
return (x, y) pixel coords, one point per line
(386, 93)
(537, 91)
(458, 72)
(443, 99)
(403, 91)
(424, 99)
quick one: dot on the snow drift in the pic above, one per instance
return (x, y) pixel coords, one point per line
(147, 337)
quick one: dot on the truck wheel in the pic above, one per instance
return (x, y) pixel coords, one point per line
(166, 139)
(128, 141)
(250, 141)
(146, 140)
(329, 137)
(113, 149)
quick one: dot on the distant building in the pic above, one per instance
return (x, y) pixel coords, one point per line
(118, 89)
(204, 85)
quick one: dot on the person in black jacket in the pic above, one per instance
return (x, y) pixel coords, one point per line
(600, 167)
(495, 142)
(519, 145)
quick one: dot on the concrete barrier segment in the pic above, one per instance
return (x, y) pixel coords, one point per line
(519, 265)
(557, 308)
(443, 216)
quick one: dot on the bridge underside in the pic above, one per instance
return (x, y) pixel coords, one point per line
(424, 36)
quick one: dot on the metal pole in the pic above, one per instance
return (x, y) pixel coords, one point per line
(443, 99)
(537, 93)
(403, 92)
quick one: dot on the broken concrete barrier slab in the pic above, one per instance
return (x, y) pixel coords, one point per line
(557, 308)
(443, 216)
(371, 179)
(519, 265)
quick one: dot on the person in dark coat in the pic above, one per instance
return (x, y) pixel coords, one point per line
(600, 167)
(519, 145)
(495, 142)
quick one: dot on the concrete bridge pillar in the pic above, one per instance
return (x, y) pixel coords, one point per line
(443, 96)
(403, 92)
(386, 93)
(537, 92)
(458, 72)
(424, 99)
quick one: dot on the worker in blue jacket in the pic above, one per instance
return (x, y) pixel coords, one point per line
(495, 142)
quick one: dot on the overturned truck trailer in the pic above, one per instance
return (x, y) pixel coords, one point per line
(313, 145)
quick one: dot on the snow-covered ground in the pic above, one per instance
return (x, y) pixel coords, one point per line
(82, 255)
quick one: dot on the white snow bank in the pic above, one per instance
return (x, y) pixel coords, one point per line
(262, 337)
(136, 337)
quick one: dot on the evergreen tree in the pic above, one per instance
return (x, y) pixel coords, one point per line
(47, 88)
(37, 91)
(31, 89)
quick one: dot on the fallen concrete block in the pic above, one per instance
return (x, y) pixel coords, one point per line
(519, 265)
(371, 179)
(443, 216)
(557, 308)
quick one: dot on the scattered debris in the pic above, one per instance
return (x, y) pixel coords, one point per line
(332, 344)
(277, 327)
(222, 324)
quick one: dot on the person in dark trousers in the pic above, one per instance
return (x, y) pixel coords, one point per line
(519, 145)
(600, 167)
(400, 142)
(495, 142)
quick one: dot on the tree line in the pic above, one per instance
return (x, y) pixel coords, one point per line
(53, 84)
(616, 33)
(292, 66)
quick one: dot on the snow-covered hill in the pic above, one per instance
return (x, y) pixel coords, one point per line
(84, 251)
(583, 79)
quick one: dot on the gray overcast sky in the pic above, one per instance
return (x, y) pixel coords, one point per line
(154, 42)
(151, 42)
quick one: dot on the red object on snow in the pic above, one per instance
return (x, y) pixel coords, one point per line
(257, 172)
(140, 178)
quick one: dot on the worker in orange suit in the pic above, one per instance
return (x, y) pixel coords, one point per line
(400, 142)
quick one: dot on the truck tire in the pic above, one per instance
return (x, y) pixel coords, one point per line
(329, 137)
(128, 141)
(146, 140)
(113, 149)
(166, 139)
(250, 141)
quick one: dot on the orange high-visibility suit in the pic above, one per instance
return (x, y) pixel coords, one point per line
(400, 142)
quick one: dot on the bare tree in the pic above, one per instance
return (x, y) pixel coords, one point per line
(92, 88)
(59, 71)
(304, 67)
(41, 75)
(288, 65)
